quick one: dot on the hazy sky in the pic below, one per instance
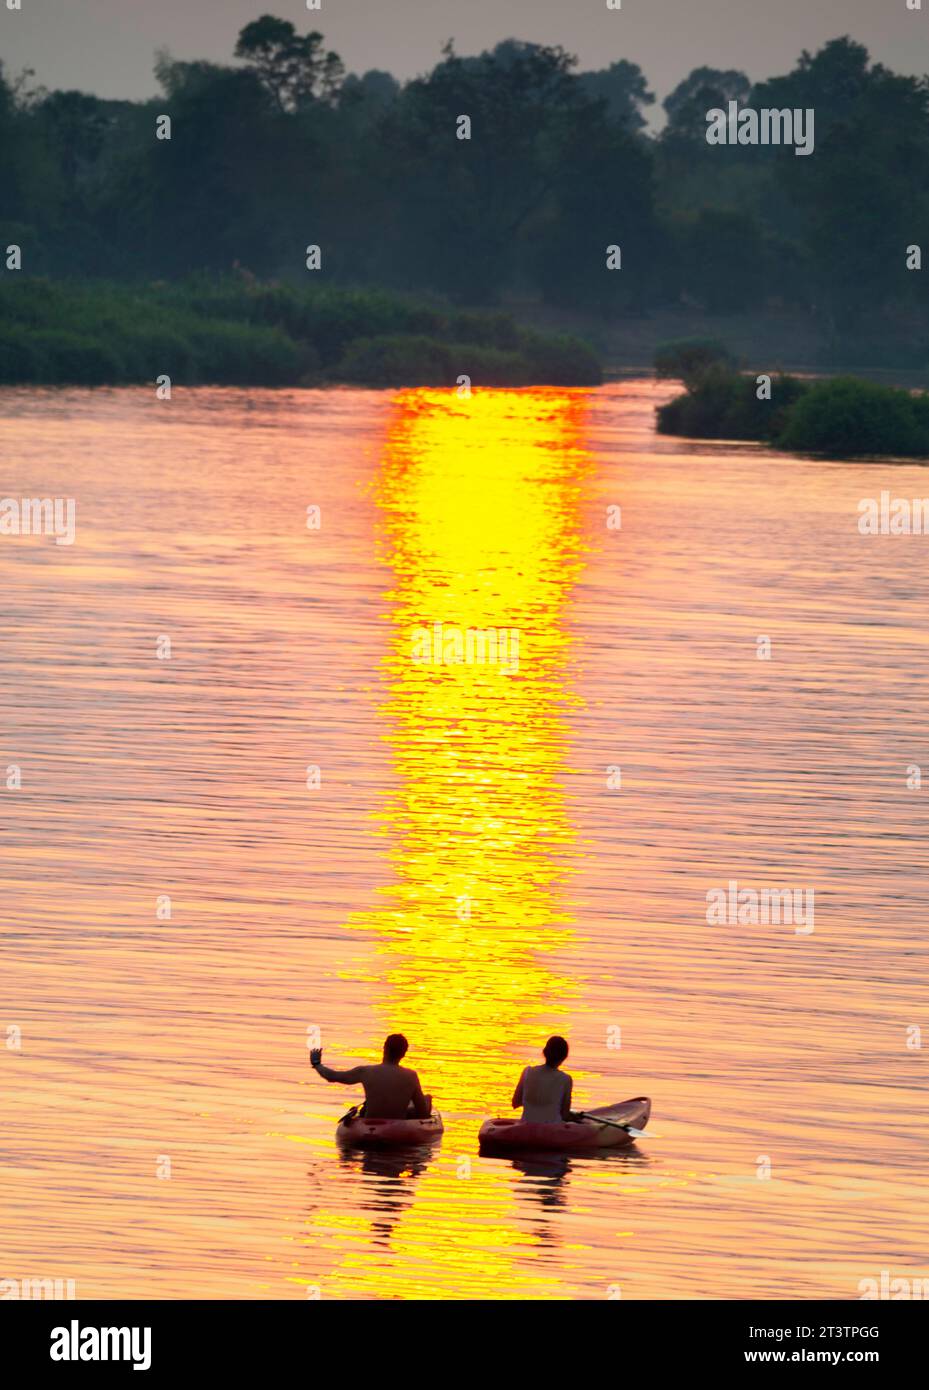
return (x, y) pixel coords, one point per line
(107, 46)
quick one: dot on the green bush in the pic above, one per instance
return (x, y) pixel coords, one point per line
(493, 366)
(20, 358)
(724, 405)
(149, 350)
(848, 418)
(411, 360)
(751, 418)
(244, 354)
(74, 360)
(841, 418)
(327, 319)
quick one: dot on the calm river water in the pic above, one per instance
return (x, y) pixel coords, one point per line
(283, 825)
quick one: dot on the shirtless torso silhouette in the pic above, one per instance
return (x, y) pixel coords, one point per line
(391, 1092)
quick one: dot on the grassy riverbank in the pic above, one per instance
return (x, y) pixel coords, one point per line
(236, 331)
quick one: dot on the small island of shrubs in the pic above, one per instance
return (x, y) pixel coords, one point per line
(844, 417)
(236, 331)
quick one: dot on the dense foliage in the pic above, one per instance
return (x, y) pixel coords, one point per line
(281, 149)
(845, 417)
(235, 331)
(840, 418)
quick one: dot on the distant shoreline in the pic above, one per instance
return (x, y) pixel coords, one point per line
(236, 331)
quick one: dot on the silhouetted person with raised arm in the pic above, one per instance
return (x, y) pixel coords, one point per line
(391, 1092)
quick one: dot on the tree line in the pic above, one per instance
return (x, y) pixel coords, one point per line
(281, 148)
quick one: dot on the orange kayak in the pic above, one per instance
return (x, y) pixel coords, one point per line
(363, 1133)
(513, 1136)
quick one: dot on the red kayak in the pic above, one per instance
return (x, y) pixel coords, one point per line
(513, 1136)
(363, 1133)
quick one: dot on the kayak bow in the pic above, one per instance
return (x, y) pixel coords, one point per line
(604, 1128)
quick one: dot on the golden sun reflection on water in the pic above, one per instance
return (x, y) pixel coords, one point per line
(294, 909)
(480, 507)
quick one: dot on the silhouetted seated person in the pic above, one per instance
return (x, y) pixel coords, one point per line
(392, 1092)
(545, 1092)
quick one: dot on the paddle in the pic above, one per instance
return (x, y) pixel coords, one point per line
(614, 1124)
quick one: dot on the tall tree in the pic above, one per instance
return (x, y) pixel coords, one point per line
(624, 89)
(701, 91)
(459, 207)
(295, 68)
(863, 195)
